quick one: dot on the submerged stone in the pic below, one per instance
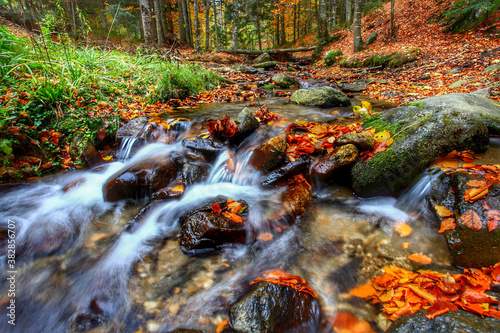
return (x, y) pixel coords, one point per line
(286, 171)
(275, 308)
(296, 199)
(321, 97)
(208, 147)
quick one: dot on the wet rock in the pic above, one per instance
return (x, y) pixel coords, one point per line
(74, 183)
(338, 158)
(321, 97)
(451, 322)
(363, 140)
(194, 172)
(140, 180)
(264, 57)
(205, 232)
(208, 147)
(351, 87)
(332, 57)
(371, 39)
(132, 127)
(270, 153)
(247, 123)
(275, 308)
(468, 248)
(492, 69)
(286, 171)
(425, 130)
(266, 65)
(296, 199)
(93, 317)
(205, 207)
(284, 81)
(184, 330)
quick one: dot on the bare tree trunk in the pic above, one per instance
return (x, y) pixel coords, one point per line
(348, 12)
(357, 40)
(207, 25)
(146, 21)
(170, 24)
(182, 24)
(235, 24)
(257, 10)
(322, 22)
(160, 32)
(217, 46)
(197, 27)
(294, 22)
(392, 32)
(277, 38)
(282, 30)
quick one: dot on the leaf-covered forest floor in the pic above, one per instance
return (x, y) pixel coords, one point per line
(97, 108)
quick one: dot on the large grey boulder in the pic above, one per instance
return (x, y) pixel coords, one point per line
(322, 97)
(423, 131)
(266, 65)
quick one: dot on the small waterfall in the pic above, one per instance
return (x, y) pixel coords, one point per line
(126, 147)
(413, 199)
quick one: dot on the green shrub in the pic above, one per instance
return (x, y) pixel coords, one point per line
(463, 15)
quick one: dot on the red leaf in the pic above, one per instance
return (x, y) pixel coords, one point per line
(101, 134)
(222, 129)
(492, 224)
(486, 205)
(215, 208)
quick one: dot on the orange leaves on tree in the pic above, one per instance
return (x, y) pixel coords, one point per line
(222, 129)
(403, 292)
(421, 258)
(447, 224)
(471, 220)
(279, 276)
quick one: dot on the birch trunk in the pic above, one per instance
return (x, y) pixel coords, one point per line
(235, 24)
(357, 40)
(197, 27)
(147, 27)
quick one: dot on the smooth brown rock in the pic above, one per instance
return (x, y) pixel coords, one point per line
(270, 153)
(296, 199)
(340, 157)
(363, 140)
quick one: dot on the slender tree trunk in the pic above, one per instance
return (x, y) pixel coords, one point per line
(392, 32)
(257, 11)
(187, 20)
(334, 16)
(207, 25)
(294, 22)
(298, 19)
(277, 38)
(197, 27)
(182, 24)
(235, 24)
(323, 23)
(348, 12)
(217, 46)
(282, 30)
(170, 23)
(159, 26)
(146, 21)
(358, 41)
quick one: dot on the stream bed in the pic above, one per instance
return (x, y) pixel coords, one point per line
(82, 265)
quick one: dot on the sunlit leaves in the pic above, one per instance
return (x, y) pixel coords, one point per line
(471, 220)
(421, 258)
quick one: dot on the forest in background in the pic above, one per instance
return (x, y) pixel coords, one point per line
(217, 24)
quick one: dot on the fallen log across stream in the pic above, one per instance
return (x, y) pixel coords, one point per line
(278, 54)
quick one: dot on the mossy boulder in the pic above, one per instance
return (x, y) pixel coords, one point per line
(284, 81)
(322, 97)
(332, 57)
(422, 132)
(468, 248)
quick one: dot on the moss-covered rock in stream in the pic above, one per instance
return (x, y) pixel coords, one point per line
(450, 322)
(284, 81)
(266, 65)
(422, 132)
(468, 248)
(392, 60)
(275, 308)
(321, 97)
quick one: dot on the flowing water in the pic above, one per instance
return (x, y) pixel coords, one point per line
(81, 265)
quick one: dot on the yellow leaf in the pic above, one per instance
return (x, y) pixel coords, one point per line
(367, 105)
(356, 108)
(108, 158)
(382, 136)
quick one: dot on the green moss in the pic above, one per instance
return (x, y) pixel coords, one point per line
(379, 124)
(417, 104)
